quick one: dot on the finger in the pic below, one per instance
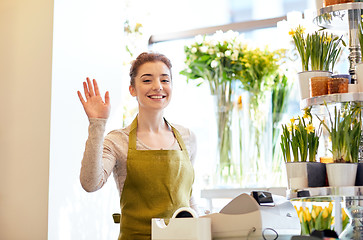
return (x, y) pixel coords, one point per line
(80, 97)
(86, 91)
(97, 91)
(90, 87)
(107, 98)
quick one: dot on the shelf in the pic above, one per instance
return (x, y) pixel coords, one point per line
(324, 193)
(331, 98)
(336, 16)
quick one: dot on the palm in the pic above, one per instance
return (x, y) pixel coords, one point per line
(94, 106)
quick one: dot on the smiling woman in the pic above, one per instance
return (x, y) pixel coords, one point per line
(151, 159)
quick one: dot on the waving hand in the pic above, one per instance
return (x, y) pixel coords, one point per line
(94, 106)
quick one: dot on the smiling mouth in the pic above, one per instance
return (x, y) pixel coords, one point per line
(157, 97)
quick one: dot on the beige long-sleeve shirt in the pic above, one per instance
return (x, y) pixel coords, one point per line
(106, 155)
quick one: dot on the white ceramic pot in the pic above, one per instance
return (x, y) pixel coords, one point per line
(297, 175)
(304, 78)
(305, 174)
(359, 76)
(341, 174)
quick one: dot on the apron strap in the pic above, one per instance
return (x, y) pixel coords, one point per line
(177, 136)
(132, 134)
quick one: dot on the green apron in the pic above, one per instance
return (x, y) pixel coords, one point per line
(158, 182)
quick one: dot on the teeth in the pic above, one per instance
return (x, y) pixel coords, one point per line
(156, 97)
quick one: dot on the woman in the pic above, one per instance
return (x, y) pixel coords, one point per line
(151, 160)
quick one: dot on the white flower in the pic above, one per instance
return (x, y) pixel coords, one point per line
(194, 50)
(228, 53)
(220, 54)
(210, 51)
(234, 56)
(199, 39)
(203, 49)
(214, 64)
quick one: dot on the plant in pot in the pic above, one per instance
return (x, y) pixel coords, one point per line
(345, 129)
(318, 52)
(299, 145)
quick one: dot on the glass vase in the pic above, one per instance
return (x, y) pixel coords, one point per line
(256, 139)
(227, 171)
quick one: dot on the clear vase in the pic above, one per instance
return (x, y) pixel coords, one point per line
(256, 139)
(227, 171)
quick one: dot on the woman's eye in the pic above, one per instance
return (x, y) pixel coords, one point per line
(165, 80)
(146, 80)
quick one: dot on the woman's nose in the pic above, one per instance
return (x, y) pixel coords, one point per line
(157, 85)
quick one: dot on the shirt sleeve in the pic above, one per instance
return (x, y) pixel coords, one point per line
(97, 162)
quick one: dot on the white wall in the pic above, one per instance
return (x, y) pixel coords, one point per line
(25, 96)
(87, 43)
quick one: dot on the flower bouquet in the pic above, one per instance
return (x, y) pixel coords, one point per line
(261, 79)
(319, 218)
(218, 60)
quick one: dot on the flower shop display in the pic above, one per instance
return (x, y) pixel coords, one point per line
(319, 218)
(299, 144)
(318, 51)
(217, 60)
(227, 64)
(345, 128)
(259, 78)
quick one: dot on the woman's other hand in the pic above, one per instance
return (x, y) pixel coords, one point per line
(94, 106)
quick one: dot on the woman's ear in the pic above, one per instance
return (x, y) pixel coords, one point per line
(132, 91)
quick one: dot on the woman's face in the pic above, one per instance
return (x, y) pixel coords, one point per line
(153, 88)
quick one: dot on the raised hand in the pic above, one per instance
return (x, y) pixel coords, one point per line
(94, 106)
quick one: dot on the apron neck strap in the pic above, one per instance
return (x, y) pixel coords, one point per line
(132, 135)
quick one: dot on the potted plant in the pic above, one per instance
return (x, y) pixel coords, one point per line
(299, 145)
(344, 129)
(318, 52)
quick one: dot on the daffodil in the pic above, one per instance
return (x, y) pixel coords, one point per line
(289, 127)
(301, 137)
(309, 128)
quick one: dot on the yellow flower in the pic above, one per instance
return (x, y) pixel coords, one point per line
(289, 127)
(307, 214)
(239, 102)
(328, 39)
(309, 128)
(301, 216)
(306, 115)
(313, 214)
(300, 29)
(330, 207)
(325, 213)
(344, 214)
(292, 120)
(318, 210)
(295, 127)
